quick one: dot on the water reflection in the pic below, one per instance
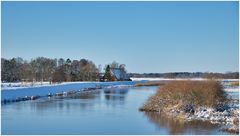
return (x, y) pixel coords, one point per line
(80, 95)
(79, 101)
(115, 96)
(88, 95)
(176, 126)
(116, 90)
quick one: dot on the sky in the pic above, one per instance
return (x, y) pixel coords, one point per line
(149, 37)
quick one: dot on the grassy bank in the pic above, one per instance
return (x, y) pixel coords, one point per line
(195, 100)
(186, 94)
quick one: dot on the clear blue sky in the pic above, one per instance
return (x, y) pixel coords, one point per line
(146, 36)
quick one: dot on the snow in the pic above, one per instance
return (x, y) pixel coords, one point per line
(170, 79)
(232, 89)
(13, 93)
(16, 85)
(214, 116)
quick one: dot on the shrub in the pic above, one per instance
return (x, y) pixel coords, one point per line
(181, 93)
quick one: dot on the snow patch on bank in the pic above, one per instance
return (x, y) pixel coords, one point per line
(232, 89)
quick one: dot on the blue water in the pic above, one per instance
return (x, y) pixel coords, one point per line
(111, 111)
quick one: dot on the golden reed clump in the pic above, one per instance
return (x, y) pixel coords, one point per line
(206, 93)
(150, 83)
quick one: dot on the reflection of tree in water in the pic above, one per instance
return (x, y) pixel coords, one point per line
(80, 95)
(114, 97)
(115, 94)
(177, 126)
(89, 95)
(44, 105)
(116, 90)
(69, 102)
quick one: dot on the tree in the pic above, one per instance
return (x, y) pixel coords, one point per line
(108, 75)
(50, 68)
(88, 71)
(83, 62)
(59, 75)
(75, 70)
(122, 67)
(61, 62)
(10, 70)
(100, 68)
(68, 61)
(114, 64)
(6, 70)
(26, 72)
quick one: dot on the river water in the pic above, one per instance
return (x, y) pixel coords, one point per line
(104, 111)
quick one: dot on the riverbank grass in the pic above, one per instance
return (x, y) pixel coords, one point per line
(186, 95)
(150, 83)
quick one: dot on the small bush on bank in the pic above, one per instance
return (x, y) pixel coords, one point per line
(178, 94)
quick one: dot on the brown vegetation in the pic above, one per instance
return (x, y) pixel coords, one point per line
(181, 93)
(236, 83)
(150, 83)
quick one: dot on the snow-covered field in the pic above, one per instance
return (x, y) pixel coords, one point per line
(23, 85)
(19, 85)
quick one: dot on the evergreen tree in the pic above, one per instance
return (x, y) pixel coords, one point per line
(107, 74)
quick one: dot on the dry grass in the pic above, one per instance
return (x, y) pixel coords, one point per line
(196, 93)
(150, 83)
(235, 83)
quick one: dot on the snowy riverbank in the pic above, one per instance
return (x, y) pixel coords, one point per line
(226, 115)
(198, 100)
(20, 85)
(21, 92)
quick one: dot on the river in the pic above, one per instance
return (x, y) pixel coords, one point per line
(112, 111)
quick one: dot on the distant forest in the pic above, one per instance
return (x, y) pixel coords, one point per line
(61, 70)
(210, 75)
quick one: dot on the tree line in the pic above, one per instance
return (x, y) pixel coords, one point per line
(53, 70)
(46, 69)
(60, 70)
(228, 75)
